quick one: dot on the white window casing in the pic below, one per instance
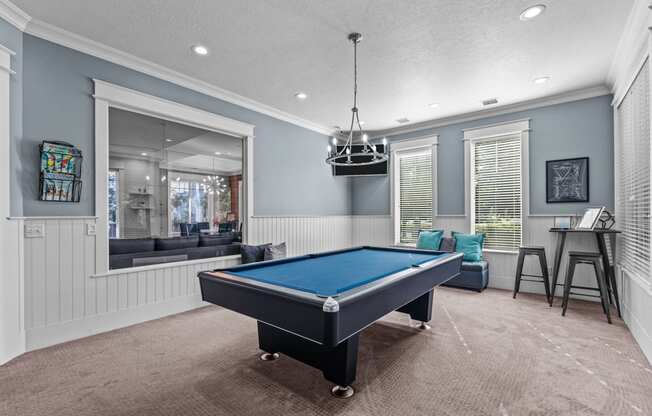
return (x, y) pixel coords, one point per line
(497, 183)
(414, 187)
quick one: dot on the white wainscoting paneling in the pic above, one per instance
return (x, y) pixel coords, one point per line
(377, 230)
(303, 234)
(373, 230)
(636, 300)
(12, 290)
(64, 300)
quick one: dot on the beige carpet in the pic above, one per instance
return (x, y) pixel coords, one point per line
(485, 355)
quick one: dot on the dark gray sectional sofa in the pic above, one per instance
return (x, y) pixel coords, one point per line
(145, 251)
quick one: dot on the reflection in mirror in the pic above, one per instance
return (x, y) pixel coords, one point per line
(174, 191)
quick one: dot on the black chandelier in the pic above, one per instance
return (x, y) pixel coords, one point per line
(366, 153)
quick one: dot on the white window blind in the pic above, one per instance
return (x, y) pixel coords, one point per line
(415, 194)
(496, 191)
(634, 176)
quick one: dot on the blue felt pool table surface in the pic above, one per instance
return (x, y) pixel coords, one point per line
(332, 274)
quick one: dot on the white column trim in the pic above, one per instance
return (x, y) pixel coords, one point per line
(249, 186)
(12, 286)
(107, 96)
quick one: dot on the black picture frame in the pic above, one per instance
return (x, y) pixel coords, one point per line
(567, 180)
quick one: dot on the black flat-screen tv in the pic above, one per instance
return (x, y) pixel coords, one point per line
(366, 170)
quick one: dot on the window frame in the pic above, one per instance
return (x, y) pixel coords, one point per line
(107, 95)
(118, 212)
(409, 147)
(510, 129)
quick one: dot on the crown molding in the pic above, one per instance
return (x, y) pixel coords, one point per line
(566, 97)
(79, 43)
(14, 15)
(631, 51)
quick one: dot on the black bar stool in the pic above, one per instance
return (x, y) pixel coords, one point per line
(540, 252)
(575, 258)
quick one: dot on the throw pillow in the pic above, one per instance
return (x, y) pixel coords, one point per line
(447, 245)
(429, 239)
(276, 252)
(469, 244)
(253, 254)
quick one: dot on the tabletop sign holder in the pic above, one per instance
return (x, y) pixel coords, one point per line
(590, 219)
(60, 177)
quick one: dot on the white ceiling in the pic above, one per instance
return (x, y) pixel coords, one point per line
(174, 145)
(415, 52)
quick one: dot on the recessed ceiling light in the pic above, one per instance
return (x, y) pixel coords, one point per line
(541, 80)
(143, 154)
(532, 12)
(433, 105)
(301, 95)
(218, 153)
(200, 50)
(169, 140)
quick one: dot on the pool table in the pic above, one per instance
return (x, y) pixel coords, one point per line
(313, 307)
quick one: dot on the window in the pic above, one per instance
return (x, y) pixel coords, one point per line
(634, 176)
(114, 203)
(414, 194)
(496, 191)
(193, 199)
(168, 180)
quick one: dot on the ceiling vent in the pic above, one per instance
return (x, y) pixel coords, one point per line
(490, 101)
(402, 120)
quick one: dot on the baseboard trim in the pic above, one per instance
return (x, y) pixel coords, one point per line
(11, 350)
(55, 334)
(642, 337)
(507, 283)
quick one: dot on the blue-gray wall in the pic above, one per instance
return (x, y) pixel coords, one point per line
(575, 129)
(51, 98)
(290, 175)
(12, 38)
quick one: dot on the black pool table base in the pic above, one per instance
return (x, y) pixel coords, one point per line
(338, 363)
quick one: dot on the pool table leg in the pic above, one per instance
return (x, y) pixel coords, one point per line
(338, 364)
(420, 309)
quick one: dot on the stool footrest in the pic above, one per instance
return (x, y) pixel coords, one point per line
(585, 288)
(584, 294)
(532, 275)
(532, 280)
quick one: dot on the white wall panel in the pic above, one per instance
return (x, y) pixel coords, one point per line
(374, 230)
(302, 234)
(64, 300)
(636, 299)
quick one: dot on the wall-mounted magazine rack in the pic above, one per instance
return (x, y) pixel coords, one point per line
(61, 167)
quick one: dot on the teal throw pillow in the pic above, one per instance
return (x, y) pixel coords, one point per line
(429, 239)
(469, 244)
